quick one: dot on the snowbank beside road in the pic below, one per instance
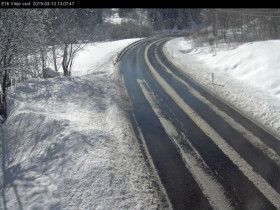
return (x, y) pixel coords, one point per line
(68, 144)
(256, 63)
(94, 55)
(247, 77)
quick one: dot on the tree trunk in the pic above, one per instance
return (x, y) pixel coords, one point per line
(4, 100)
(43, 63)
(242, 30)
(215, 23)
(99, 16)
(64, 61)
(54, 58)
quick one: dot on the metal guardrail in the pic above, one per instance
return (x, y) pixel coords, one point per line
(127, 48)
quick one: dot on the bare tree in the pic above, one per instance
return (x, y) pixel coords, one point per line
(65, 36)
(20, 35)
(242, 25)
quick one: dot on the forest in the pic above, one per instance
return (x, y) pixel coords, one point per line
(32, 40)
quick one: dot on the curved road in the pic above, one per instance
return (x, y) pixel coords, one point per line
(206, 154)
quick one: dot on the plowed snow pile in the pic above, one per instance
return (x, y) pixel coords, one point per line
(246, 76)
(68, 144)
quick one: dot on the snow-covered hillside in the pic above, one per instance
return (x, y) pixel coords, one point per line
(68, 143)
(136, 16)
(246, 76)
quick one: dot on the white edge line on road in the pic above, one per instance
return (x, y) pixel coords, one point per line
(265, 188)
(268, 130)
(158, 180)
(149, 158)
(255, 141)
(213, 191)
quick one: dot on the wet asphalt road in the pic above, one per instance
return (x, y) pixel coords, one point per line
(202, 159)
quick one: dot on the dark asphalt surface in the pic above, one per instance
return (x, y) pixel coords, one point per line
(180, 185)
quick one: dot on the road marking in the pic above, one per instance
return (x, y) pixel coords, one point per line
(151, 163)
(265, 188)
(255, 141)
(213, 191)
(255, 121)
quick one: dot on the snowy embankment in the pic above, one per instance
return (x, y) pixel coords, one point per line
(247, 76)
(69, 145)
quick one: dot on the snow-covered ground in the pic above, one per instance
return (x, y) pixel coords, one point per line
(68, 142)
(116, 19)
(246, 76)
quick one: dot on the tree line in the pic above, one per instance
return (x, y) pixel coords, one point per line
(181, 18)
(31, 38)
(239, 25)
